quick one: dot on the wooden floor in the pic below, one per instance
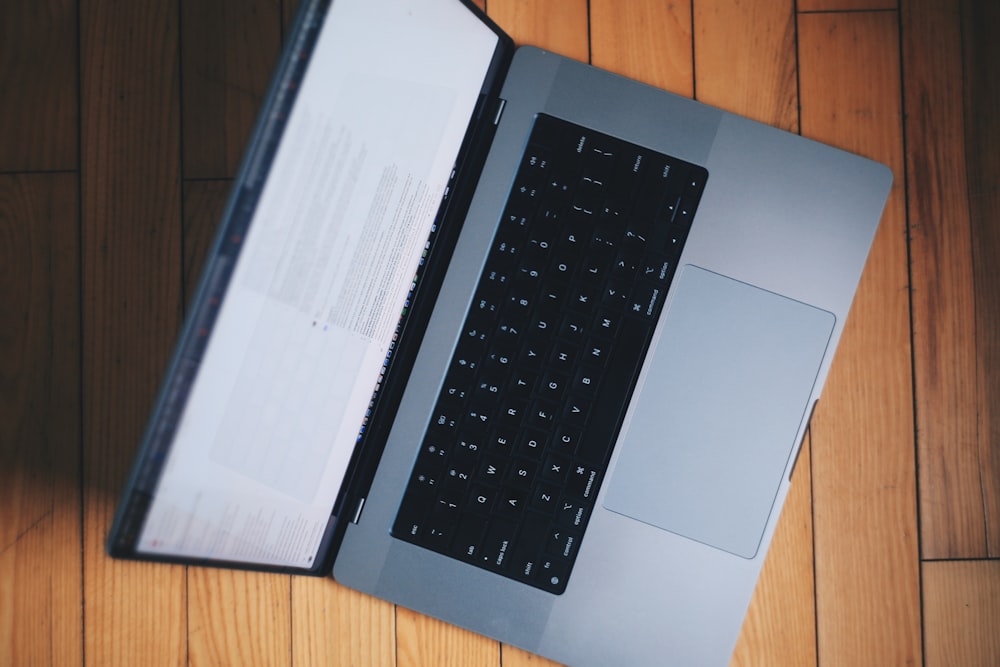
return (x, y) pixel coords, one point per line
(121, 123)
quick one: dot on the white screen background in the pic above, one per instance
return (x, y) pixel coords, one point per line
(275, 410)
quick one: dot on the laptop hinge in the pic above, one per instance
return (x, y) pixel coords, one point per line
(500, 108)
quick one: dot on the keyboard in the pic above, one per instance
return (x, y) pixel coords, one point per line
(533, 399)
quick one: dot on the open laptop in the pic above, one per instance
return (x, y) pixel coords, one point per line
(505, 339)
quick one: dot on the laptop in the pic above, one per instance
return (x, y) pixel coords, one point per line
(505, 339)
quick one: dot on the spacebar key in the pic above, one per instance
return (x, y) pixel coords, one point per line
(631, 344)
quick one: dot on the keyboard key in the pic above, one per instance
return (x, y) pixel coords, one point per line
(582, 482)
(481, 499)
(492, 469)
(646, 300)
(556, 469)
(655, 268)
(545, 497)
(498, 542)
(512, 502)
(571, 513)
(525, 558)
(532, 443)
(468, 537)
(562, 543)
(553, 573)
(521, 474)
(535, 164)
(440, 528)
(567, 439)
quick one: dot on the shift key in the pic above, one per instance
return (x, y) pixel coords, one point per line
(616, 390)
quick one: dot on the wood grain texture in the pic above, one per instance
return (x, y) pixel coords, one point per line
(130, 161)
(38, 80)
(427, 641)
(514, 657)
(746, 61)
(962, 613)
(561, 27)
(867, 578)
(238, 618)
(650, 43)
(229, 50)
(944, 310)
(846, 5)
(333, 625)
(40, 562)
(981, 53)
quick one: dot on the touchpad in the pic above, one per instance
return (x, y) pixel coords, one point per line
(716, 418)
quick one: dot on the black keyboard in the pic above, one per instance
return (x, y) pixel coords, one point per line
(512, 460)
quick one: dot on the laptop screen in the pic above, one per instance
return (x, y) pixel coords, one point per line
(270, 420)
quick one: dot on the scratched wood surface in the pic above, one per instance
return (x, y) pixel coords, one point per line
(121, 126)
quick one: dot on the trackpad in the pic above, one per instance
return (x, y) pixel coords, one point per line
(716, 419)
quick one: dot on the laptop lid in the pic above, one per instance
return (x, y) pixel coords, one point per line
(333, 218)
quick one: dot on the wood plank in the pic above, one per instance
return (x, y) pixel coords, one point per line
(651, 42)
(511, 656)
(25, 616)
(944, 312)
(238, 618)
(962, 613)
(334, 625)
(980, 26)
(41, 595)
(229, 50)
(561, 27)
(867, 578)
(38, 80)
(130, 156)
(845, 5)
(745, 59)
(427, 641)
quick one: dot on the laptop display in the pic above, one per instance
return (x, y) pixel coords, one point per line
(270, 421)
